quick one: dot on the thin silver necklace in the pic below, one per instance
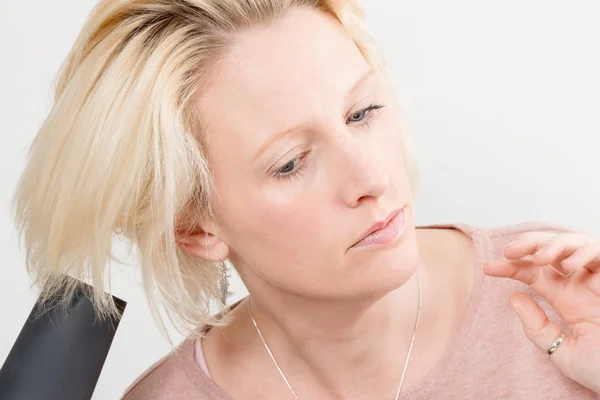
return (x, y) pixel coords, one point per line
(412, 340)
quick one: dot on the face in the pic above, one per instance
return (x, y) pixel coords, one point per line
(306, 156)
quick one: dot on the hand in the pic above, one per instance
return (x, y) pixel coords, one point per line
(565, 270)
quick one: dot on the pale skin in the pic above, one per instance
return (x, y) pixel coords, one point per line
(338, 320)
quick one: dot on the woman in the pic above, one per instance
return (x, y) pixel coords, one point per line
(265, 132)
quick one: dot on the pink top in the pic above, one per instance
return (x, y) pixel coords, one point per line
(199, 357)
(491, 358)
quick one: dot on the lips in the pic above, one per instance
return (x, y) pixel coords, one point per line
(378, 226)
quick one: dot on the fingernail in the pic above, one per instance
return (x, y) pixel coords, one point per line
(522, 310)
(517, 308)
(566, 266)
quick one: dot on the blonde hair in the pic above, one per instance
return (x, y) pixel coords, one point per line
(121, 153)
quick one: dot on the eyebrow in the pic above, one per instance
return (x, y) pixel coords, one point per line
(359, 82)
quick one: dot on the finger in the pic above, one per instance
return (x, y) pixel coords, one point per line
(527, 244)
(531, 242)
(538, 328)
(546, 281)
(587, 256)
(560, 247)
(547, 248)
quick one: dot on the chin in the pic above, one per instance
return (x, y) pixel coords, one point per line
(386, 269)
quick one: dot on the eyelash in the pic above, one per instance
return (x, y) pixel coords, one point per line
(370, 116)
(364, 123)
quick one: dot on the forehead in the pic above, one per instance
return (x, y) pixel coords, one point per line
(276, 77)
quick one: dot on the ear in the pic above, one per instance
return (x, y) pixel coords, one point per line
(205, 245)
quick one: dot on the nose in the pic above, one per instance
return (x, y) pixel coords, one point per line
(363, 176)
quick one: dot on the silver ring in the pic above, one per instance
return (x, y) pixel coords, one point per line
(554, 346)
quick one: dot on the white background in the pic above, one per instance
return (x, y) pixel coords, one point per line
(503, 99)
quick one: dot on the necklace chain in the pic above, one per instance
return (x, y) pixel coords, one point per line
(412, 341)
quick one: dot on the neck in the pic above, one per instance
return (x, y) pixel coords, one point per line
(350, 349)
(339, 347)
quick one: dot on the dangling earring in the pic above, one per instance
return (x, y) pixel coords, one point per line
(224, 283)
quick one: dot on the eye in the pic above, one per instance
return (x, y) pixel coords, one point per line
(360, 115)
(290, 169)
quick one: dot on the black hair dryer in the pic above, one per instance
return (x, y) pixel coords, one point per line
(59, 353)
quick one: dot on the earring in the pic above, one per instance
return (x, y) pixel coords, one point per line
(224, 283)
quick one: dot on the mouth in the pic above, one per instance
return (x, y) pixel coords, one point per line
(384, 232)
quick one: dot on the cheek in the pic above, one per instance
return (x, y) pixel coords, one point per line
(299, 221)
(274, 220)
